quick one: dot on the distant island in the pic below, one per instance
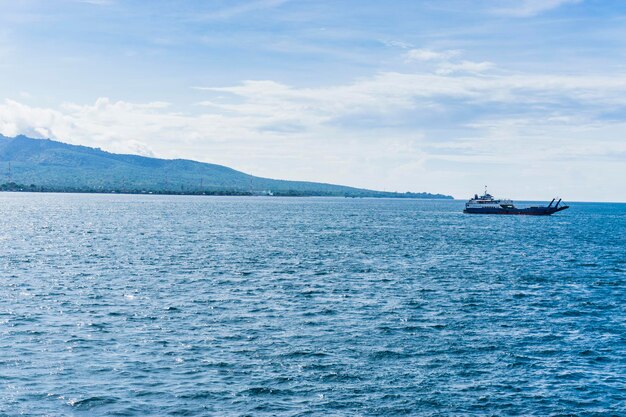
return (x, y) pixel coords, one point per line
(44, 165)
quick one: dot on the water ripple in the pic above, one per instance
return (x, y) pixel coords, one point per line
(189, 306)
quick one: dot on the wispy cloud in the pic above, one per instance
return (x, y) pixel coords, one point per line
(96, 2)
(444, 61)
(528, 8)
(465, 66)
(429, 55)
(388, 92)
(394, 43)
(242, 8)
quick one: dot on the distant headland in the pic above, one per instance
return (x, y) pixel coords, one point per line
(44, 165)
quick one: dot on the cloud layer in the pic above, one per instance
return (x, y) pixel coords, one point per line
(390, 121)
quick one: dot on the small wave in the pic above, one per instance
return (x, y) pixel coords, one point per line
(339, 377)
(200, 395)
(91, 402)
(388, 354)
(258, 391)
(301, 353)
(609, 283)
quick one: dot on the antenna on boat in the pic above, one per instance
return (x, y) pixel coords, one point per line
(485, 190)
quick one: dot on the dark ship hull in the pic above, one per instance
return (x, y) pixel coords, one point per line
(529, 211)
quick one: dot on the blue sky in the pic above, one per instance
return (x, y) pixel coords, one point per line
(526, 96)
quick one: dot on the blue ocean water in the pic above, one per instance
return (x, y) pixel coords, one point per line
(114, 305)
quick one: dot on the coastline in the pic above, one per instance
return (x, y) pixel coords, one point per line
(20, 188)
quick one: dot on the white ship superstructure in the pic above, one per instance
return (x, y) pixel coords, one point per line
(487, 201)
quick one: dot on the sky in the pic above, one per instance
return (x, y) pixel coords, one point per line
(443, 96)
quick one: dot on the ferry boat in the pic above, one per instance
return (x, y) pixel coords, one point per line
(486, 204)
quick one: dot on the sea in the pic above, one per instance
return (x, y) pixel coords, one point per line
(145, 305)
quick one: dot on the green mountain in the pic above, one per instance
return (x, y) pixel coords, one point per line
(47, 165)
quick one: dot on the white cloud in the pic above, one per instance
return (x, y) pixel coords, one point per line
(429, 55)
(105, 124)
(262, 110)
(528, 8)
(17, 118)
(444, 63)
(464, 66)
(383, 122)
